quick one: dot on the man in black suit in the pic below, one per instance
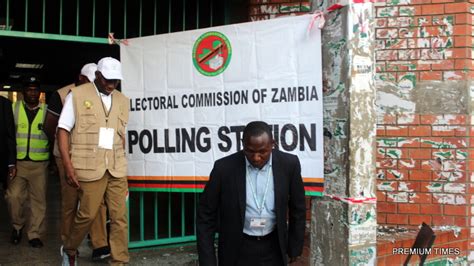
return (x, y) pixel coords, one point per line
(7, 141)
(246, 201)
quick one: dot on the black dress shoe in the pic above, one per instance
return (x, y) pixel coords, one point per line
(100, 253)
(36, 243)
(16, 236)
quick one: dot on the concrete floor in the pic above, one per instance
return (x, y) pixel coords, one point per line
(23, 254)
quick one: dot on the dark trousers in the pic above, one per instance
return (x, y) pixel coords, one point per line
(260, 251)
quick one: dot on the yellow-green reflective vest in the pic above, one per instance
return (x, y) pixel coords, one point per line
(30, 139)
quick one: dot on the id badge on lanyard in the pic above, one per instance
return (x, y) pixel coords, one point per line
(106, 138)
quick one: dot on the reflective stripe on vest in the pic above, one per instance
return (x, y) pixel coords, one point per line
(30, 139)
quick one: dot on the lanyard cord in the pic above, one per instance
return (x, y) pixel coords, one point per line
(259, 206)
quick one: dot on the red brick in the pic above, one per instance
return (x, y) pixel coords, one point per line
(390, 176)
(409, 143)
(380, 131)
(410, 119)
(408, 164)
(443, 131)
(461, 132)
(441, 1)
(431, 209)
(423, 20)
(461, 221)
(442, 220)
(387, 163)
(395, 259)
(455, 75)
(386, 55)
(460, 53)
(429, 119)
(408, 208)
(396, 131)
(463, 18)
(410, 186)
(428, 165)
(463, 64)
(462, 245)
(432, 9)
(461, 30)
(398, 66)
(458, 142)
(455, 210)
(418, 131)
(442, 237)
(443, 65)
(388, 119)
(422, 198)
(381, 218)
(419, 219)
(381, 22)
(457, 8)
(456, 119)
(396, 218)
(386, 207)
(420, 154)
(380, 196)
(380, 152)
(420, 175)
(431, 75)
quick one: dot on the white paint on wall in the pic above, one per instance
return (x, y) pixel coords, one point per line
(386, 100)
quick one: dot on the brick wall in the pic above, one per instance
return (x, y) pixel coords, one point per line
(267, 9)
(423, 159)
(424, 39)
(422, 170)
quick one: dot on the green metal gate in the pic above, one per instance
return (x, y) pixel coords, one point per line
(161, 218)
(155, 218)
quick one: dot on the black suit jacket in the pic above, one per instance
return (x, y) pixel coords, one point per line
(7, 137)
(223, 202)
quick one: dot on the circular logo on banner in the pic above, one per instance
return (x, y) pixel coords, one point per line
(211, 53)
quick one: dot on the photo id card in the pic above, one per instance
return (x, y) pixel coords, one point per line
(258, 222)
(106, 138)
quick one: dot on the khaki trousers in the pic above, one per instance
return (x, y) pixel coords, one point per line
(91, 194)
(69, 203)
(30, 181)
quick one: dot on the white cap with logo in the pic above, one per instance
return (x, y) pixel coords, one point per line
(89, 70)
(110, 68)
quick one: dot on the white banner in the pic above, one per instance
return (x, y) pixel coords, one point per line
(191, 94)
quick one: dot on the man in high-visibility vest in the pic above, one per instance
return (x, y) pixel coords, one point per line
(32, 164)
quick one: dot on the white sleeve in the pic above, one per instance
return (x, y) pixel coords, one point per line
(67, 118)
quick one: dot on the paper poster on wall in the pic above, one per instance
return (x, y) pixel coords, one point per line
(191, 94)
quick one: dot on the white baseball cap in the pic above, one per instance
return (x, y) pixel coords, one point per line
(89, 70)
(110, 68)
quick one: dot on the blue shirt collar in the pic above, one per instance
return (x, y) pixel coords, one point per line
(264, 168)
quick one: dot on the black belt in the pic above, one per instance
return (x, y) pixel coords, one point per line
(265, 237)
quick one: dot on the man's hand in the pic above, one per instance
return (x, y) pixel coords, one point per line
(293, 260)
(71, 177)
(11, 172)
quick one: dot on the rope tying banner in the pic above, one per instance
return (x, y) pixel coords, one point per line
(352, 200)
(112, 40)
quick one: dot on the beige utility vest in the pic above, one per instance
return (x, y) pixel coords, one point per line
(90, 162)
(63, 92)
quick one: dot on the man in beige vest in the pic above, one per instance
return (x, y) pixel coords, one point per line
(69, 194)
(91, 137)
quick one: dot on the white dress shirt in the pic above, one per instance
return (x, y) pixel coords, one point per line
(67, 119)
